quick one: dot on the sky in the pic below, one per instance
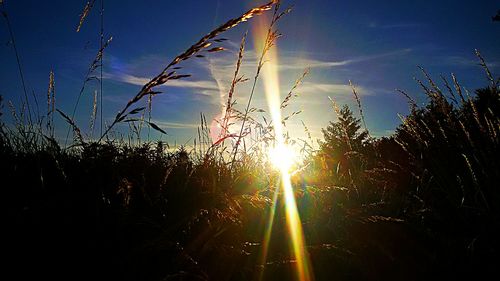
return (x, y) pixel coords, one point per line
(375, 44)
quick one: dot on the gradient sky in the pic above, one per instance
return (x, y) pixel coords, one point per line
(376, 44)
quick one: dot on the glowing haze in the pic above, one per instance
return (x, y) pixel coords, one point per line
(270, 79)
(376, 44)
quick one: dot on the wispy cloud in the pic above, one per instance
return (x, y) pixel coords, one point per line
(176, 125)
(220, 70)
(467, 61)
(298, 64)
(329, 88)
(292, 62)
(313, 63)
(206, 86)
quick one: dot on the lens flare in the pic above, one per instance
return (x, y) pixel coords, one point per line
(282, 157)
(283, 160)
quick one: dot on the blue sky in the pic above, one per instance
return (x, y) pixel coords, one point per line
(376, 44)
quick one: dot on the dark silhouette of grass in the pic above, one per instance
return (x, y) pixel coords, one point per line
(420, 204)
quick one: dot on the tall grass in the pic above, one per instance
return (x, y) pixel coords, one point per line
(420, 204)
(169, 73)
(26, 101)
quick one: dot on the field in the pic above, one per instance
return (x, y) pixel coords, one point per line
(249, 202)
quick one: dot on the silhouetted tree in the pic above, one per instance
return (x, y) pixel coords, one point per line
(345, 151)
(344, 135)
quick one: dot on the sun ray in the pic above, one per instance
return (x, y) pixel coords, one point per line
(297, 244)
(267, 234)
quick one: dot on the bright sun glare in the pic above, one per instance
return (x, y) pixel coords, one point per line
(282, 157)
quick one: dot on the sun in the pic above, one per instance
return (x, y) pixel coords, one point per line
(282, 156)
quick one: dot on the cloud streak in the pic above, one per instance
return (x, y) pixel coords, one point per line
(175, 125)
(288, 62)
(466, 62)
(206, 86)
(221, 69)
(311, 88)
(313, 63)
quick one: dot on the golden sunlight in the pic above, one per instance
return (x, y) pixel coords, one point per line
(283, 158)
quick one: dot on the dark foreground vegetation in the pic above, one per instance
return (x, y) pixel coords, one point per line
(422, 204)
